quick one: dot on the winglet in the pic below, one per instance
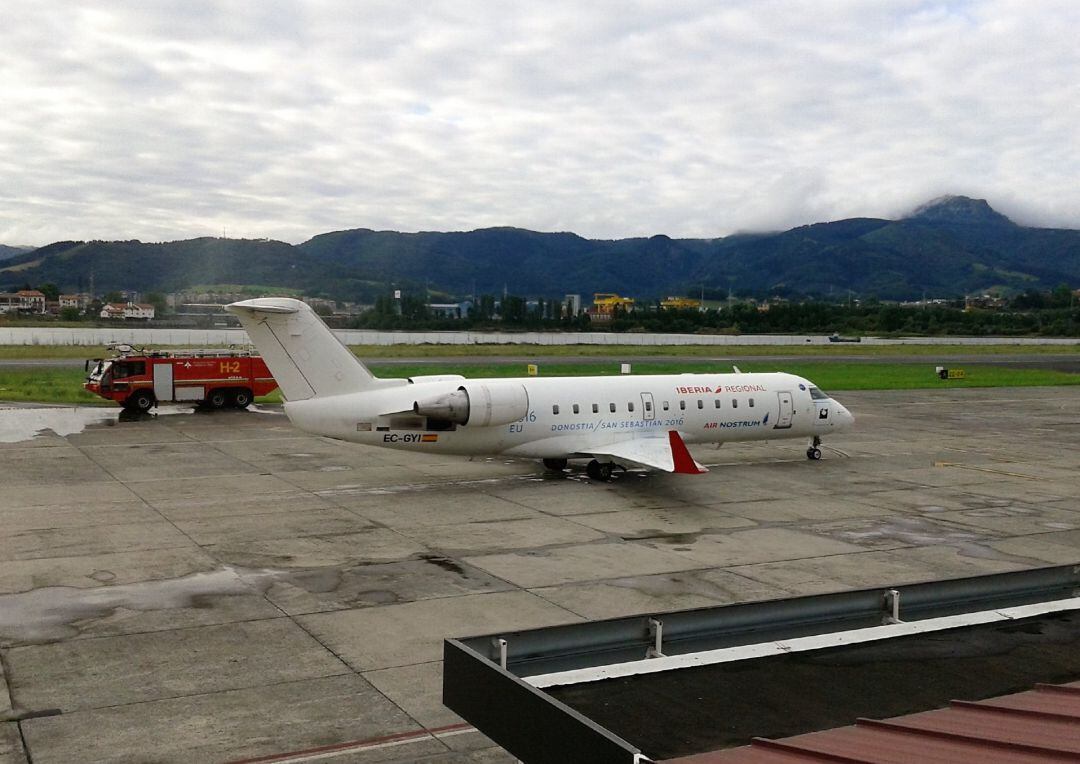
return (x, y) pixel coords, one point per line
(684, 463)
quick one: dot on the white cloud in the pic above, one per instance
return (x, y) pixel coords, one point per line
(175, 119)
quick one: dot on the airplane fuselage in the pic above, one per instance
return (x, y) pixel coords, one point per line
(566, 416)
(614, 421)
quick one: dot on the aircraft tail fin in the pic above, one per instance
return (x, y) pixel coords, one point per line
(304, 356)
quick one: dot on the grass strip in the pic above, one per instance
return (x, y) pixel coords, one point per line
(34, 352)
(63, 385)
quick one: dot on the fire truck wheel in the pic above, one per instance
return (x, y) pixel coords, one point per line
(140, 401)
(217, 399)
(241, 398)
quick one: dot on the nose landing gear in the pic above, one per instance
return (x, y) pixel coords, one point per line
(813, 452)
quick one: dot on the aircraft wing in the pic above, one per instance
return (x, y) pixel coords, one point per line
(659, 453)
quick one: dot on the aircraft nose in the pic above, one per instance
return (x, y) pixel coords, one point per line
(844, 417)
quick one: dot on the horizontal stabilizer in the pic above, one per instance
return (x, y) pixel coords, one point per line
(264, 305)
(669, 454)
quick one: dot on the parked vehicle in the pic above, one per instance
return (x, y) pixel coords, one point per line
(139, 379)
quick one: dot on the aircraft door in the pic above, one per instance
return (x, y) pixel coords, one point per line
(648, 408)
(787, 409)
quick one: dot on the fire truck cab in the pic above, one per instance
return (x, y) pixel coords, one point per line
(138, 379)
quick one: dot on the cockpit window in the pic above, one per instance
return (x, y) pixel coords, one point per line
(817, 395)
(124, 369)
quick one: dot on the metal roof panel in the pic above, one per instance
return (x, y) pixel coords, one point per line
(1034, 727)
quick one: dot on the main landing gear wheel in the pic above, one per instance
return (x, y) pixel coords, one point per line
(813, 452)
(599, 470)
(555, 465)
(140, 401)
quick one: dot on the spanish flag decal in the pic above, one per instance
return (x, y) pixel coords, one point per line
(432, 438)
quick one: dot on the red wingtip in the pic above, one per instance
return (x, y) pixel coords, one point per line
(684, 463)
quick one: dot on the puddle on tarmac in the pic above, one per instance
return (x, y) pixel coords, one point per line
(53, 612)
(26, 423)
(17, 425)
(918, 532)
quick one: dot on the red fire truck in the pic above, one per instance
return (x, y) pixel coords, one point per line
(138, 379)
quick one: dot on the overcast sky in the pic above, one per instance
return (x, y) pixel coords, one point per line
(169, 120)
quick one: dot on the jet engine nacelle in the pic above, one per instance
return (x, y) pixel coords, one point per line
(479, 404)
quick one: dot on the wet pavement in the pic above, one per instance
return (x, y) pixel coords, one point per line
(218, 586)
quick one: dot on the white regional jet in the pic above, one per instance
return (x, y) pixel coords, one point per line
(614, 421)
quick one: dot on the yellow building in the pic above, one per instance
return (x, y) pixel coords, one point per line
(680, 303)
(605, 303)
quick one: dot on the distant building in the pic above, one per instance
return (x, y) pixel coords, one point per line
(450, 309)
(984, 302)
(606, 303)
(321, 305)
(79, 301)
(204, 314)
(766, 305)
(128, 310)
(680, 303)
(572, 304)
(23, 301)
(33, 301)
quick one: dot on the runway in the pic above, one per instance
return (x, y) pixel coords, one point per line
(1067, 362)
(198, 586)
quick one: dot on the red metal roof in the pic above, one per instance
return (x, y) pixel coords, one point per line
(1034, 727)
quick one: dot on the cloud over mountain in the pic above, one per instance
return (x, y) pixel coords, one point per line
(179, 119)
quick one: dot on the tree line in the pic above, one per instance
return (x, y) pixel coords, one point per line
(1032, 313)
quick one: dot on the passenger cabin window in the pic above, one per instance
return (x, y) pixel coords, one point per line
(817, 395)
(682, 405)
(611, 406)
(700, 403)
(734, 403)
(596, 408)
(666, 407)
(648, 405)
(717, 402)
(577, 409)
(630, 407)
(555, 409)
(751, 403)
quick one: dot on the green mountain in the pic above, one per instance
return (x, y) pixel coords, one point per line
(7, 251)
(951, 246)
